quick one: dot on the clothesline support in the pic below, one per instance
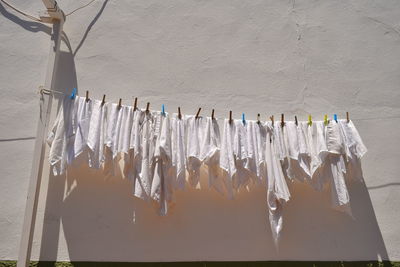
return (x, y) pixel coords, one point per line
(56, 16)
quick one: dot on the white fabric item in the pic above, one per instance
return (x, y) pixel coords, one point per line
(256, 135)
(318, 152)
(211, 153)
(354, 150)
(196, 131)
(227, 157)
(84, 113)
(178, 156)
(62, 135)
(144, 170)
(96, 135)
(335, 146)
(277, 190)
(162, 183)
(242, 149)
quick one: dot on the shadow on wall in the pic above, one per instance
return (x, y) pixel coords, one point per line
(102, 221)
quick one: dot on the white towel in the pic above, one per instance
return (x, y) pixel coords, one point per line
(277, 191)
(178, 151)
(62, 135)
(162, 183)
(96, 135)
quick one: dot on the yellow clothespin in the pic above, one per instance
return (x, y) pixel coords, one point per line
(326, 119)
(309, 120)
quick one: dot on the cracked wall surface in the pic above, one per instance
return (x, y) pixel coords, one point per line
(295, 57)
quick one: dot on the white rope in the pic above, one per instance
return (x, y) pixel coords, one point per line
(21, 12)
(79, 8)
(43, 90)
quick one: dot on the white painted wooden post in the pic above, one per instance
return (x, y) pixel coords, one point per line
(56, 16)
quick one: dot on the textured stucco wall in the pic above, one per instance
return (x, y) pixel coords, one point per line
(268, 57)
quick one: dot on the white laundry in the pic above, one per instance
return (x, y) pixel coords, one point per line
(144, 170)
(227, 157)
(318, 152)
(179, 151)
(244, 161)
(62, 135)
(157, 150)
(256, 135)
(336, 179)
(354, 150)
(83, 116)
(162, 183)
(96, 135)
(277, 191)
(196, 131)
(211, 153)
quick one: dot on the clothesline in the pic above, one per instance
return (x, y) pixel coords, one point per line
(162, 153)
(44, 90)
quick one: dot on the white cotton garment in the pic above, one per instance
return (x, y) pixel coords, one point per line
(123, 136)
(227, 157)
(277, 190)
(256, 135)
(178, 151)
(162, 184)
(83, 116)
(211, 153)
(144, 168)
(195, 128)
(131, 160)
(243, 152)
(62, 135)
(96, 134)
(304, 152)
(335, 162)
(118, 136)
(318, 152)
(354, 150)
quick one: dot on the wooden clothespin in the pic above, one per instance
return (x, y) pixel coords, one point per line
(198, 113)
(135, 104)
(309, 120)
(282, 120)
(230, 116)
(120, 103)
(179, 113)
(272, 120)
(326, 121)
(347, 117)
(148, 107)
(295, 120)
(258, 118)
(104, 100)
(87, 96)
(212, 115)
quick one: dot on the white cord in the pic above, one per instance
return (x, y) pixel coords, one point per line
(43, 90)
(79, 8)
(21, 12)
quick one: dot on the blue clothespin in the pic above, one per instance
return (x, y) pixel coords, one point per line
(243, 119)
(163, 110)
(73, 94)
(335, 117)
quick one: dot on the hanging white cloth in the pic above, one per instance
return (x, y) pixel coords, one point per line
(179, 151)
(277, 190)
(62, 136)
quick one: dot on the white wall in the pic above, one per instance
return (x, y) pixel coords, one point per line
(268, 57)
